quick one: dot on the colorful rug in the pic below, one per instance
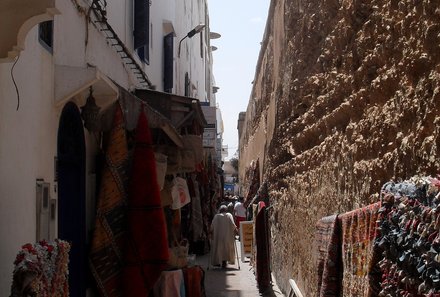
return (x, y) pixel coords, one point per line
(328, 243)
(105, 257)
(41, 270)
(359, 231)
(263, 252)
(146, 248)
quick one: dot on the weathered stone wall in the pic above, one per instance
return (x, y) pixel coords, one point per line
(350, 91)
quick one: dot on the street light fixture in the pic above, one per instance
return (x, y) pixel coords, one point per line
(190, 34)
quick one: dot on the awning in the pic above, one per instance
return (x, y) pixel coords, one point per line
(180, 110)
(132, 106)
(74, 83)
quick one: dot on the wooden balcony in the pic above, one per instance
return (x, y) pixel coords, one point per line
(17, 18)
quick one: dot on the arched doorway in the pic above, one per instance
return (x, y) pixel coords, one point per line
(71, 194)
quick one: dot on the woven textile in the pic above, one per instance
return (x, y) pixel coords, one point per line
(105, 256)
(359, 231)
(146, 247)
(328, 244)
(196, 209)
(263, 251)
(194, 281)
(41, 270)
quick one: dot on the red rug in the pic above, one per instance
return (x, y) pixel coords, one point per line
(146, 250)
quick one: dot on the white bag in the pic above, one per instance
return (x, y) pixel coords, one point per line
(161, 168)
(180, 193)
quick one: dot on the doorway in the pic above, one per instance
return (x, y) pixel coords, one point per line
(71, 154)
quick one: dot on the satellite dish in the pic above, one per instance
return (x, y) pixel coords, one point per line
(214, 35)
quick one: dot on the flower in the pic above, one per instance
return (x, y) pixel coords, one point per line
(48, 263)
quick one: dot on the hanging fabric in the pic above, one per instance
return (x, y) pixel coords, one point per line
(327, 244)
(359, 231)
(263, 252)
(146, 247)
(105, 255)
(161, 168)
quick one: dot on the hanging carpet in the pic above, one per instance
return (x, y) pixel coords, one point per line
(105, 256)
(359, 231)
(146, 248)
(263, 251)
(328, 243)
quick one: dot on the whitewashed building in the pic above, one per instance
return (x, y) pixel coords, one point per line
(54, 54)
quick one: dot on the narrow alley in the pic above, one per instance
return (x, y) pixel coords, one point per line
(236, 280)
(147, 145)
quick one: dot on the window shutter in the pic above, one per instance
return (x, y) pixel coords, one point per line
(187, 85)
(168, 62)
(141, 23)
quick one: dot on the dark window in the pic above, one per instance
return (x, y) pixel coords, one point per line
(168, 44)
(187, 84)
(141, 29)
(201, 44)
(45, 35)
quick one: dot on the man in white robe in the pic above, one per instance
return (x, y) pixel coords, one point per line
(223, 240)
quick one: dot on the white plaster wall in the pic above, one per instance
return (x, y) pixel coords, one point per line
(69, 35)
(160, 11)
(27, 149)
(81, 45)
(190, 60)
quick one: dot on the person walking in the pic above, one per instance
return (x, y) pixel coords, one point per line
(239, 212)
(223, 230)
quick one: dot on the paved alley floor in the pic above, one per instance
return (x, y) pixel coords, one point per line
(232, 281)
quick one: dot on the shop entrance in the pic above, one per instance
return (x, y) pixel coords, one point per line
(71, 194)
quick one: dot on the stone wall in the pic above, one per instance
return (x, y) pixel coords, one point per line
(348, 94)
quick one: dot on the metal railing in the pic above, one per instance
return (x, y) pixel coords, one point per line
(294, 290)
(98, 7)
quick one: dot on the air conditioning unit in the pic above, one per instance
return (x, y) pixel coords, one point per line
(46, 212)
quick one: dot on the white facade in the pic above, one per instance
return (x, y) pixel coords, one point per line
(82, 57)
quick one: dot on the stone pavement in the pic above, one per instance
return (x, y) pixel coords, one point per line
(233, 282)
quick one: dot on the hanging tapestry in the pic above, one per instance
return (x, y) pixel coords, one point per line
(359, 231)
(146, 247)
(263, 252)
(41, 270)
(105, 255)
(328, 243)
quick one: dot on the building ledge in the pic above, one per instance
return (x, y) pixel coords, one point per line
(17, 18)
